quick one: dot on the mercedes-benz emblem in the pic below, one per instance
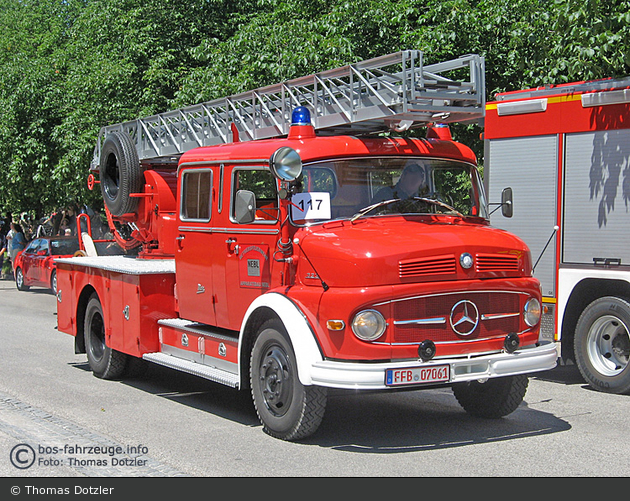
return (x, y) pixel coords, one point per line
(464, 317)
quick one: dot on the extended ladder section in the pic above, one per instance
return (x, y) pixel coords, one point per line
(391, 92)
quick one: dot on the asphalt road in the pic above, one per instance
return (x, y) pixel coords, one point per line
(57, 415)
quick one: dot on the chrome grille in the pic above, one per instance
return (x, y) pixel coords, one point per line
(428, 317)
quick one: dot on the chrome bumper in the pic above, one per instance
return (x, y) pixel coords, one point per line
(366, 376)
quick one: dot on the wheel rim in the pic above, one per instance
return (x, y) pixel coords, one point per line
(608, 345)
(111, 178)
(54, 283)
(97, 337)
(276, 382)
(19, 278)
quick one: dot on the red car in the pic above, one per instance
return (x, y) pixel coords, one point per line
(35, 265)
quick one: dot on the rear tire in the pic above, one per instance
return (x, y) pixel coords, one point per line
(602, 345)
(287, 409)
(495, 398)
(53, 282)
(104, 362)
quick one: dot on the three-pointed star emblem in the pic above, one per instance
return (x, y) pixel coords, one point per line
(464, 317)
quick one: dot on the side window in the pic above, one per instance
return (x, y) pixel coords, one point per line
(196, 195)
(263, 185)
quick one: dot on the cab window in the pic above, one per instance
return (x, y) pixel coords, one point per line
(196, 195)
(263, 185)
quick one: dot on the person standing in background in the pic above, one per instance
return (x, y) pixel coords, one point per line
(16, 241)
(3, 249)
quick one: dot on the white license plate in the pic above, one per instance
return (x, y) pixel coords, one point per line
(418, 375)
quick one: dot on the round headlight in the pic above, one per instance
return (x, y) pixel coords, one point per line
(368, 325)
(532, 312)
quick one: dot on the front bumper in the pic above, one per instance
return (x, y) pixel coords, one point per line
(368, 376)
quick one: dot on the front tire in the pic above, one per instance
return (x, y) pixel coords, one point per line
(494, 398)
(287, 409)
(19, 280)
(104, 362)
(602, 345)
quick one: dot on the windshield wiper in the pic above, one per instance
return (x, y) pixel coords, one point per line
(433, 201)
(370, 208)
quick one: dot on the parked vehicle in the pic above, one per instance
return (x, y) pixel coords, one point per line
(35, 265)
(564, 152)
(284, 261)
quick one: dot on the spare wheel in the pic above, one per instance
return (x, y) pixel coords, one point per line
(120, 173)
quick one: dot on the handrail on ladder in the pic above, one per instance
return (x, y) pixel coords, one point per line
(391, 92)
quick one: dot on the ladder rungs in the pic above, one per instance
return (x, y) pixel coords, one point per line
(366, 97)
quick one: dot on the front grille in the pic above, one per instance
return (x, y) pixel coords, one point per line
(422, 267)
(428, 317)
(488, 263)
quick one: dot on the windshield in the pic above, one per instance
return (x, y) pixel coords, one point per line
(364, 187)
(65, 247)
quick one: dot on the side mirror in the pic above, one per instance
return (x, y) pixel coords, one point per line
(244, 207)
(507, 207)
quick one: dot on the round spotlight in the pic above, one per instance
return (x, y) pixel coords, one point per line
(512, 342)
(426, 350)
(286, 164)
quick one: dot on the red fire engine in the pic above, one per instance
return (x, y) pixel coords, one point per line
(563, 150)
(289, 259)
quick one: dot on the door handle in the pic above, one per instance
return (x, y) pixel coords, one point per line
(231, 249)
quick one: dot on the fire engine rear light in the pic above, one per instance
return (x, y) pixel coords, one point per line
(522, 107)
(605, 98)
(368, 325)
(532, 312)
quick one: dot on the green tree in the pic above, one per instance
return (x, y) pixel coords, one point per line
(69, 67)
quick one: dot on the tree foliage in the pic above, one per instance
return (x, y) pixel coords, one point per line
(69, 67)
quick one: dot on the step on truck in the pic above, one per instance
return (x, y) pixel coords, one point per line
(564, 151)
(287, 241)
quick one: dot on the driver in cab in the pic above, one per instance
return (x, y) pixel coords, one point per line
(411, 184)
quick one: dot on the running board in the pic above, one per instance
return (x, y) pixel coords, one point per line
(204, 371)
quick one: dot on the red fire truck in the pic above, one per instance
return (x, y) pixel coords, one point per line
(285, 241)
(564, 151)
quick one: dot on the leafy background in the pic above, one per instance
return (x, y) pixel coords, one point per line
(68, 67)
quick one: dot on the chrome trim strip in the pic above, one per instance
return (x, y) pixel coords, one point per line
(457, 341)
(236, 231)
(422, 321)
(451, 294)
(494, 316)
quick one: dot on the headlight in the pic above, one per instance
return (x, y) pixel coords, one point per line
(368, 325)
(532, 312)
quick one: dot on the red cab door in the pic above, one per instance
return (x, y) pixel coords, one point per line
(193, 254)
